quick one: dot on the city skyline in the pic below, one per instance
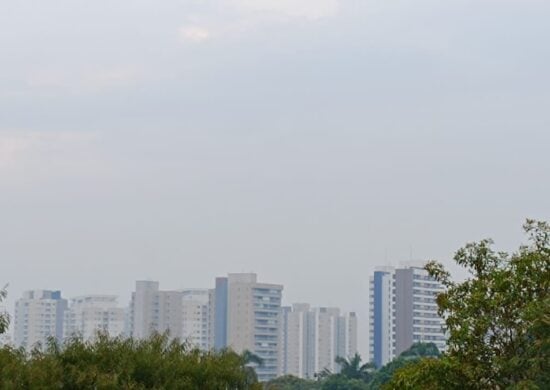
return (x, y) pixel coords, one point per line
(124, 300)
(104, 301)
(239, 312)
(308, 141)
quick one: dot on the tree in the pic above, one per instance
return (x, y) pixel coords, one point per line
(498, 320)
(290, 382)
(107, 363)
(249, 361)
(418, 350)
(415, 352)
(4, 317)
(353, 369)
(340, 382)
(425, 374)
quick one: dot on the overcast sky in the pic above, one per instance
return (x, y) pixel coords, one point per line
(306, 140)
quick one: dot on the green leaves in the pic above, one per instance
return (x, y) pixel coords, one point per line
(498, 321)
(4, 317)
(118, 363)
(353, 369)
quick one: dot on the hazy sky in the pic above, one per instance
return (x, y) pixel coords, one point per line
(305, 140)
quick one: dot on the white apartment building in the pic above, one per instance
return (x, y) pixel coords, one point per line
(89, 314)
(152, 310)
(196, 318)
(403, 311)
(311, 339)
(295, 353)
(38, 316)
(247, 317)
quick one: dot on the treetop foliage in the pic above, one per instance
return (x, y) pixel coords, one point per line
(498, 320)
(109, 363)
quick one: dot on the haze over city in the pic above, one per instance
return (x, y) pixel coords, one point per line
(306, 141)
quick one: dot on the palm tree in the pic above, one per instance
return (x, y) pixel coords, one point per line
(352, 368)
(323, 374)
(250, 360)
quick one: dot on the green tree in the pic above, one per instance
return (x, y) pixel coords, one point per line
(426, 374)
(4, 317)
(340, 382)
(407, 357)
(290, 382)
(498, 319)
(353, 369)
(106, 363)
(250, 361)
(418, 350)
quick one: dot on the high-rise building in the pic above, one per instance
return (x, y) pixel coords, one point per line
(196, 318)
(38, 317)
(381, 317)
(155, 311)
(219, 307)
(295, 352)
(89, 314)
(311, 339)
(247, 317)
(403, 311)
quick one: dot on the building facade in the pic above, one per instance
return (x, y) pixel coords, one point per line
(403, 311)
(89, 314)
(312, 338)
(247, 317)
(196, 318)
(38, 316)
(154, 311)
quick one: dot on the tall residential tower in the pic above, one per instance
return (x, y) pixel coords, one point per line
(89, 314)
(248, 317)
(153, 310)
(403, 311)
(311, 339)
(38, 316)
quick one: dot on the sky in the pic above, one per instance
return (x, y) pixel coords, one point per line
(308, 141)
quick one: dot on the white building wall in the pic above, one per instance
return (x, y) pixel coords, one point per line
(427, 324)
(253, 320)
(196, 321)
(417, 319)
(155, 311)
(38, 316)
(388, 320)
(313, 338)
(87, 315)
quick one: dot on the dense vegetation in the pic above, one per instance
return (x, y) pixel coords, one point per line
(498, 320)
(354, 375)
(124, 364)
